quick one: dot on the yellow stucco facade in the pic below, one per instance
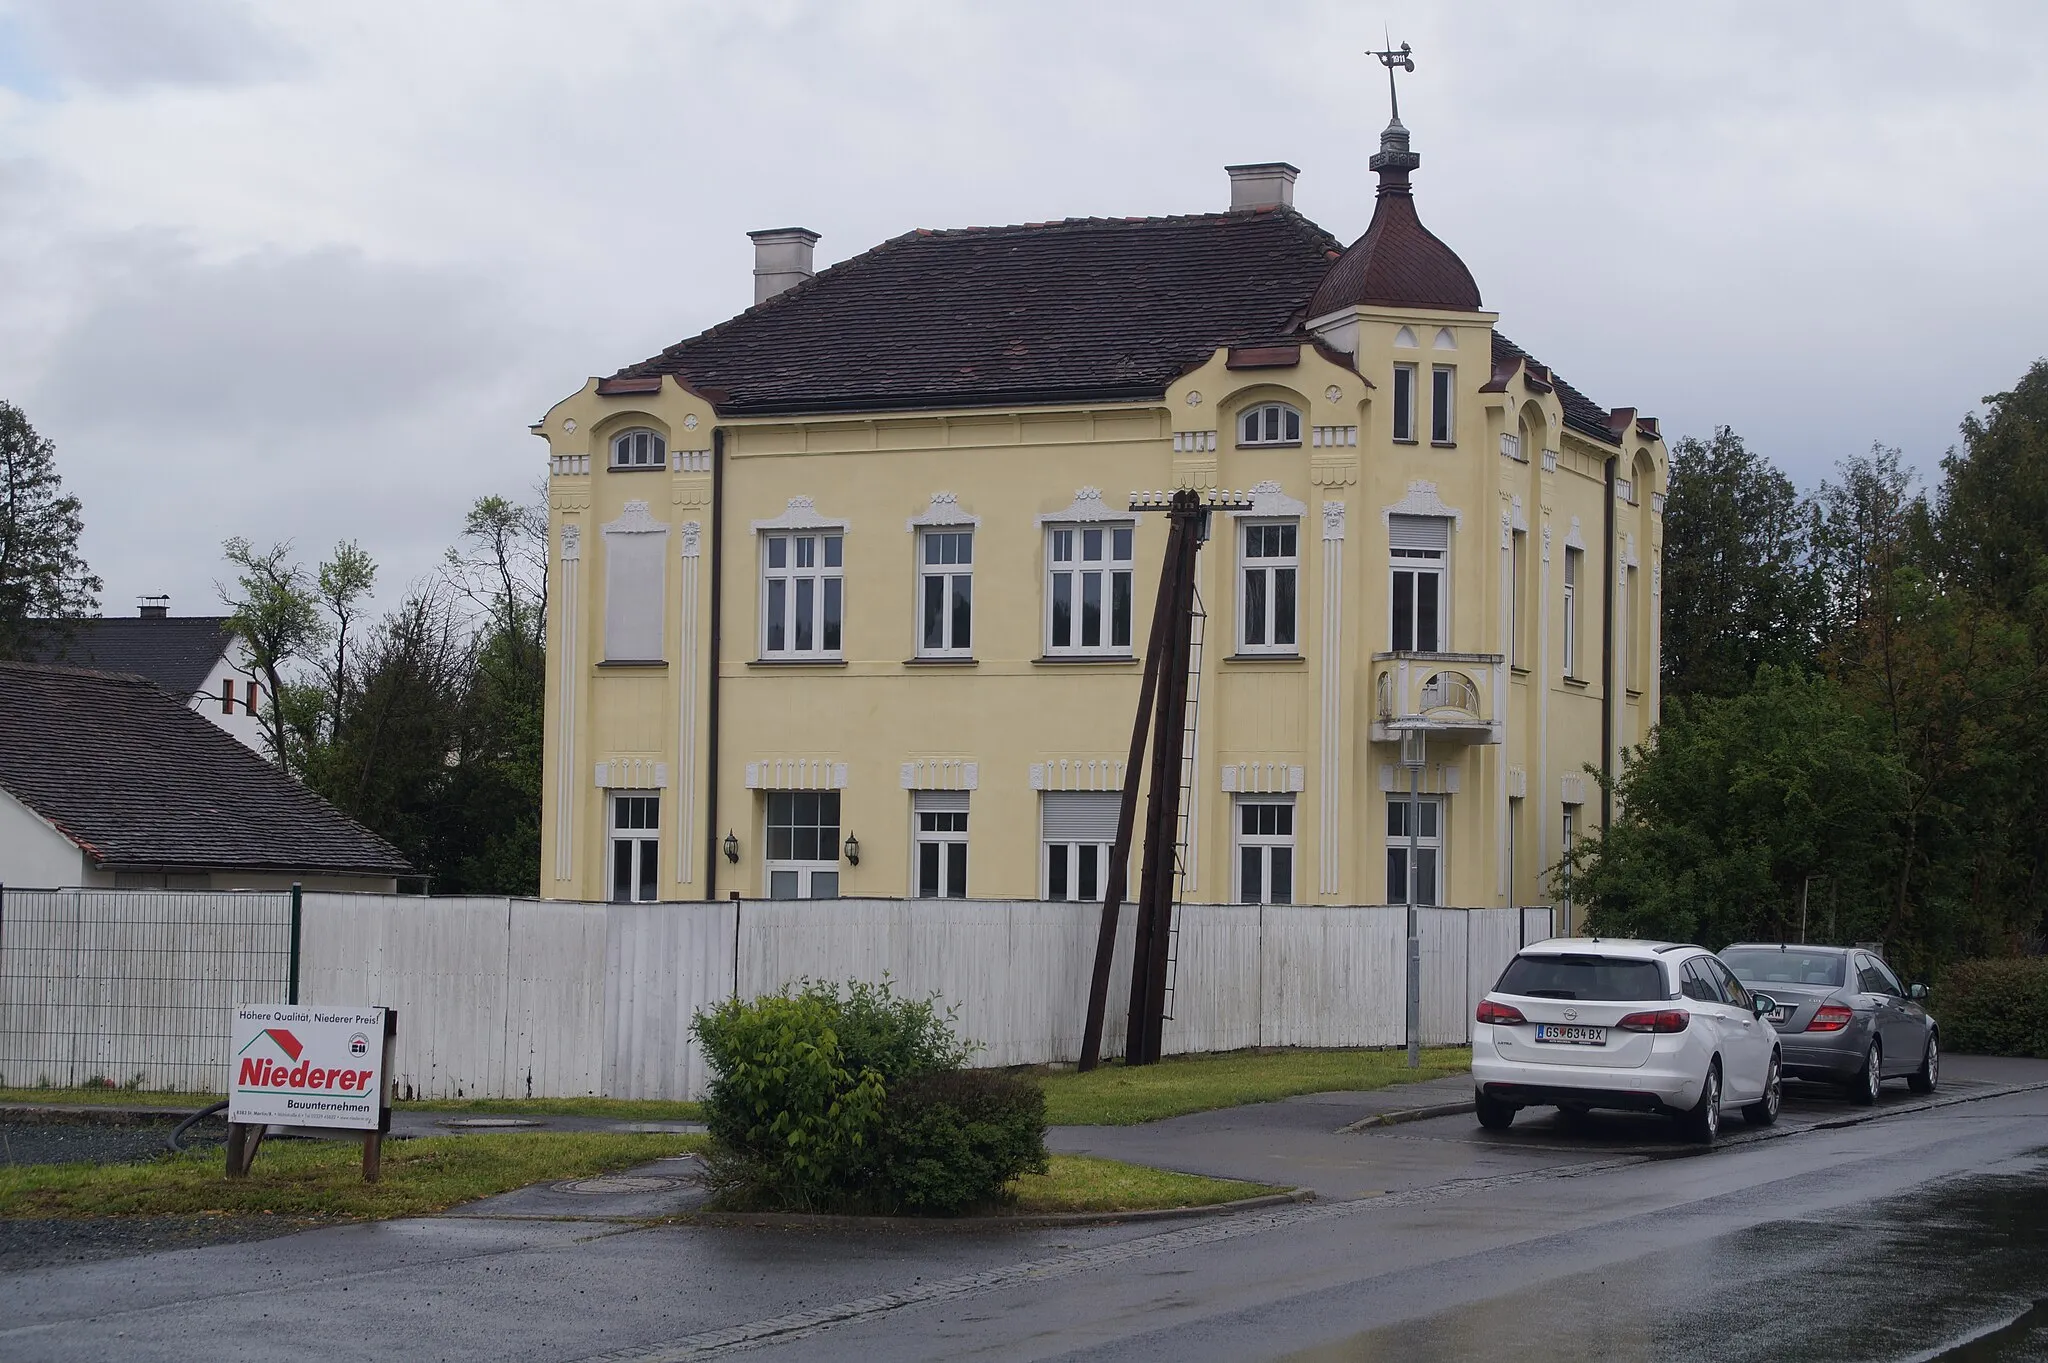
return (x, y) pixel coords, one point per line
(660, 596)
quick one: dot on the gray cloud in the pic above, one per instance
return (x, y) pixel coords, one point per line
(130, 44)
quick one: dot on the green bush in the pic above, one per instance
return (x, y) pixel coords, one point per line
(795, 1108)
(952, 1141)
(1995, 1007)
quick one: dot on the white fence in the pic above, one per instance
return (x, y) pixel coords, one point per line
(547, 998)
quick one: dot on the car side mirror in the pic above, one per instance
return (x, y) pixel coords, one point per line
(1761, 1004)
(1916, 991)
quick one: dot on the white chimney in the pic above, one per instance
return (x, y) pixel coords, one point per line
(1269, 184)
(782, 259)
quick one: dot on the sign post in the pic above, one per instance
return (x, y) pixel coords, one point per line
(310, 1071)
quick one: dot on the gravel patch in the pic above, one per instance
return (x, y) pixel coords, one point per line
(71, 1142)
(38, 1242)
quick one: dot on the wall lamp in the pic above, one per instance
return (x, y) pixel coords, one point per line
(852, 850)
(732, 848)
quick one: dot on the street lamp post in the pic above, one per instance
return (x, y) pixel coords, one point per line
(1412, 748)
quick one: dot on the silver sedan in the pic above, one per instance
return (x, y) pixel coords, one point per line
(1842, 1016)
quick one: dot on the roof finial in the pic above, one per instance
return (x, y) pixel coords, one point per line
(1392, 58)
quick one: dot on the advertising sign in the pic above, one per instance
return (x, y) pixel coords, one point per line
(299, 1066)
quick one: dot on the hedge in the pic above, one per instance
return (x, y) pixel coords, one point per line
(1994, 1007)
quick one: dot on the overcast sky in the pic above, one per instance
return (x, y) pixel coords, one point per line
(307, 271)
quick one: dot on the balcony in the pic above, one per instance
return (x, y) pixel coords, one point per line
(1450, 695)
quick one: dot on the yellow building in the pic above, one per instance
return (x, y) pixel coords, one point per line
(847, 598)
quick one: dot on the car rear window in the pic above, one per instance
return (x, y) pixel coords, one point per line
(1785, 965)
(1595, 978)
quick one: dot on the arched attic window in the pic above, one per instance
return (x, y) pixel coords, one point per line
(639, 448)
(1269, 423)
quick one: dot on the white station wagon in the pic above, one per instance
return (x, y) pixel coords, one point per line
(1579, 1023)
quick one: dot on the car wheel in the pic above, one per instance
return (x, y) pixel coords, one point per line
(1928, 1075)
(1864, 1087)
(1703, 1123)
(1764, 1110)
(1494, 1115)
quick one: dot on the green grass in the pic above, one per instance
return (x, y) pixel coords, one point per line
(1120, 1095)
(618, 1109)
(323, 1179)
(1081, 1183)
(99, 1096)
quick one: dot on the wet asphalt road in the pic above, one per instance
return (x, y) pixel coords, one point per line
(1901, 1238)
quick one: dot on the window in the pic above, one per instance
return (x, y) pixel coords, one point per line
(227, 695)
(1265, 851)
(251, 691)
(1587, 979)
(802, 589)
(1443, 385)
(1266, 604)
(945, 594)
(640, 449)
(1571, 611)
(1272, 424)
(1076, 828)
(1420, 544)
(1429, 843)
(1518, 577)
(636, 847)
(1873, 978)
(1766, 966)
(803, 844)
(1404, 402)
(1694, 983)
(941, 843)
(1088, 600)
(1631, 673)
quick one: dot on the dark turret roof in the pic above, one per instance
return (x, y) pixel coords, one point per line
(1398, 262)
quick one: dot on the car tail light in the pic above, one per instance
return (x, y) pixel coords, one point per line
(1666, 1020)
(1831, 1017)
(1499, 1014)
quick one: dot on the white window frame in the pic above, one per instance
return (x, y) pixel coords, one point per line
(1572, 561)
(1264, 848)
(1269, 423)
(822, 578)
(1403, 396)
(939, 836)
(639, 448)
(633, 829)
(1443, 404)
(1258, 584)
(1631, 679)
(802, 872)
(1074, 539)
(1418, 563)
(1060, 862)
(1429, 848)
(955, 637)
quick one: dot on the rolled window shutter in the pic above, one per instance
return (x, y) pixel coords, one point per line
(1081, 815)
(1419, 532)
(940, 801)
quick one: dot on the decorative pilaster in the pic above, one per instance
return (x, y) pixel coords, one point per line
(1330, 759)
(686, 720)
(567, 647)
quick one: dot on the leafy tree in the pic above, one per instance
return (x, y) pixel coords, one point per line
(275, 611)
(42, 576)
(1734, 569)
(344, 581)
(1741, 799)
(1993, 506)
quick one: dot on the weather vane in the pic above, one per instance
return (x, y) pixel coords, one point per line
(1394, 59)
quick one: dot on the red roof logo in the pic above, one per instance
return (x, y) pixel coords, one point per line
(286, 1042)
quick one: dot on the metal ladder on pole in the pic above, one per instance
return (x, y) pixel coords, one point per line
(1188, 767)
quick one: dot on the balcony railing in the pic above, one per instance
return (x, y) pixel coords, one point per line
(1420, 692)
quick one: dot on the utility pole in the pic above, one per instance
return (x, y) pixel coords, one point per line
(1412, 756)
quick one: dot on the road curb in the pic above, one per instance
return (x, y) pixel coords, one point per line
(1032, 1221)
(1408, 1114)
(99, 1114)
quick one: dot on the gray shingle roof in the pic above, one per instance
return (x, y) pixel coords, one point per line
(138, 779)
(177, 652)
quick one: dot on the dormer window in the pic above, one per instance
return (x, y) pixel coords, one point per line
(1271, 424)
(639, 449)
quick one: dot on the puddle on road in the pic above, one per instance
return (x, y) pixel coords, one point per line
(1953, 1273)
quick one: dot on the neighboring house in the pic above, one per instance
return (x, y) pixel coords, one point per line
(106, 780)
(194, 657)
(860, 563)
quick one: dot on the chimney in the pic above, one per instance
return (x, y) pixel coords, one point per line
(782, 259)
(155, 607)
(1269, 184)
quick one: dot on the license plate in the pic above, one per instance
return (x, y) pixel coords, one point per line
(1571, 1036)
(1781, 1014)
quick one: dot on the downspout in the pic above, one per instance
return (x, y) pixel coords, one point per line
(1607, 675)
(712, 848)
